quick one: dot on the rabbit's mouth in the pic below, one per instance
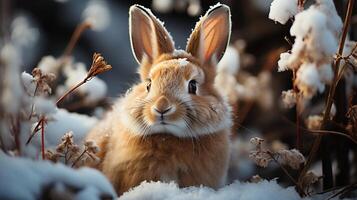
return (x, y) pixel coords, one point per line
(163, 123)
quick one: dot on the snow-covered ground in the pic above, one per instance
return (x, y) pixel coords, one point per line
(23, 178)
(264, 190)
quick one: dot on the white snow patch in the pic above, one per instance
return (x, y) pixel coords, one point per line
(283, 62)
(12, 93)
(263, 190)
(282, 10)
(182, 62)
(43, 106)
(29, 83)
(27, 179)
(229, 62)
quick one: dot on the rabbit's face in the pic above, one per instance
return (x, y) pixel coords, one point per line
(177, 95)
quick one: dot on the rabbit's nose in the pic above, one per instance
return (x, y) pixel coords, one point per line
(162, 106)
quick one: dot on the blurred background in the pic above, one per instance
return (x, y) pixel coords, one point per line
(56, 21)
(258, 40)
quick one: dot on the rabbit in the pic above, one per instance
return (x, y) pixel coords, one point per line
(174, 125)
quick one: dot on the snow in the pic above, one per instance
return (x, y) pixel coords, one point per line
(182, 62)
(27, 179)
(312, 24)
(49, 64)
(63, 122)
(13, 90)
(97, 14)
(44, 106)
(334, 23)
(282, 10)
(326, 73)
(229, 62)
(29, 83)
(264, 190)
(308, 75)
(283, 62)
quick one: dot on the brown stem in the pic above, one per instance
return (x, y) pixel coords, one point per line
(33, 104)
(284, 169)
(71, 90)
(43, 139)
(331, 93)
(79, 157)
(34, 131)
(75, 37)
(297, 108)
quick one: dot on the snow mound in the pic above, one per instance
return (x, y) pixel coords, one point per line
(29, 179)
(235, 191)
(63, 122)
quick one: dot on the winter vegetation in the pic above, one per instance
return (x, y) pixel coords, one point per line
(293, 100)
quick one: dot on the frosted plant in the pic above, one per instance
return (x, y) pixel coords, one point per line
(316, 31)
(72, 154)
(262, 156)
(292, 158)
(42, 80)
(76, 75)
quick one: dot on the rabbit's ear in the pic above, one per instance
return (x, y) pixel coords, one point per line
(210, 38)
(148, 36)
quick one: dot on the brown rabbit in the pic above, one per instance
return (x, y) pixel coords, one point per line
(173, 125)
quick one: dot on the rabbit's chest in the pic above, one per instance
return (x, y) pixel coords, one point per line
(166, 158)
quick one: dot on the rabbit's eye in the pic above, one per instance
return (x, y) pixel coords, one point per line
(192, 87)
(148, 85)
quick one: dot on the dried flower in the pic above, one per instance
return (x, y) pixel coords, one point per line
(43, 80)
(256, 179)
(292, 158)
(288, 98)
(277, 145)
(257, 142)
(52, 156)
(99, 65)
(308, 179)
(313, 122)
(261, 158)
(91, 146)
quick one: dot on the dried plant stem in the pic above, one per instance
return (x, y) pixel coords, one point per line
(79, 157)
(75, 37)
(284, 169)
(297, 110)
(71, 90)
(43, 139)
(317, 141)
(33, 104)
